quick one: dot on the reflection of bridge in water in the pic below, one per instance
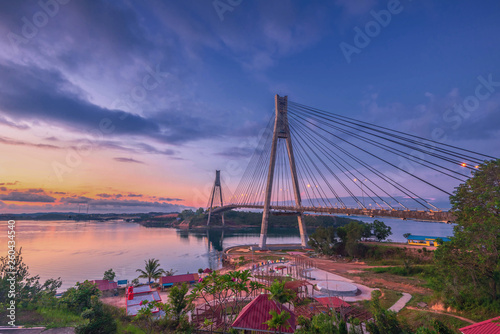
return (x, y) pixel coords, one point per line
(310, 160)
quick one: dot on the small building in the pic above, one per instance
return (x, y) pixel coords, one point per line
(254, 315)
(136, 297)
(105, 285)
(491, 326)
(332, 302)
(167, 281)
(420, 240)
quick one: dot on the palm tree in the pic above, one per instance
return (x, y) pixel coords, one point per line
(280, 294)
(152, 270)
(278, 320)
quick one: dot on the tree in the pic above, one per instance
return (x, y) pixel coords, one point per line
(323, 240)
(109, 275)
(380, 230)
(279, 293)
(27, 288)
(100, 321)
(79, 297)
(469, 265)
(406, 235)
(152, 270)
(384, 321)
(278, 320)
(178, 301)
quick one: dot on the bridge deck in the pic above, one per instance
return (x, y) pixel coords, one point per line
(439, 216)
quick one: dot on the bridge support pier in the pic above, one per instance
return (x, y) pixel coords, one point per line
(216, 190)
(281, 131)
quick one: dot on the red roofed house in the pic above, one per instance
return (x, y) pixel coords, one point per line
(108, 288)
(254, 315)
(167, 281)
(104, 284)
(332, 302)
(491, 326)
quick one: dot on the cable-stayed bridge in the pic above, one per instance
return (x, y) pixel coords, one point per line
(311, 160)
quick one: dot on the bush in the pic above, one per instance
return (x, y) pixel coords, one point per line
(79, 298)
(100, 320)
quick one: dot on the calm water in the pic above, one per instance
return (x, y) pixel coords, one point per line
(76, 251)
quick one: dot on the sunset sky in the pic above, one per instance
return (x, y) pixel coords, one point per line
(131, 106)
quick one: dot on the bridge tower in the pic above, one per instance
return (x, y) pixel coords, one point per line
(215, 194)
(281, 132)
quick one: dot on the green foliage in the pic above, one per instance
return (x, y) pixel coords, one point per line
(151, 270)
(278, 321)
(380, 230)
(109, 275)
(28, 289)
(385, 322)
(99, 320)
(323, 240)
(324, 323)
(234, 286)
(468, 272)
(343, 240)
(279, 293)
(79, 298)
(406, 235)
(178, 301)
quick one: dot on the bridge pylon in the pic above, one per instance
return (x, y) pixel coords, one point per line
(281, 132)
(215, 194)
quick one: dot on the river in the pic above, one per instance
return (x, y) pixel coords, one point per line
(76, 251)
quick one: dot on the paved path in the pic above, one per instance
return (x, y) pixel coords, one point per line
(398, 306)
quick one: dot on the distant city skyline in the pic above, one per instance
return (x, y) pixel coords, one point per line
(131, 107)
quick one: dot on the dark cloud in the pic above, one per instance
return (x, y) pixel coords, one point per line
(36, 191)
(54, 99)
(19, 196)
(10, 141)
(59, 193)
(134, 195)
(168, 199)
(237, 152)
(76, 200)
(105, 195)
(120, 159)
(3, 188)
(9, 183)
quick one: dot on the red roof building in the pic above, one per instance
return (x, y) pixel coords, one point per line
(491, 326)
(332, 302)
(136, 296)
(254, 315)
(166, 281)
(105, 285)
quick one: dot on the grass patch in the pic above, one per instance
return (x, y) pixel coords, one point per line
(401, 271)
(52, 318)
(389, 298)
(417, 319)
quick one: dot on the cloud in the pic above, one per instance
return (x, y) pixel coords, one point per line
(36, 191)
(134, 195)
(237, 152)
(9, 183)
(120, 159)
(10, 141)
(59, 193)
(3, 188)
(168, 199)
(105, 195)
(19, 196)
